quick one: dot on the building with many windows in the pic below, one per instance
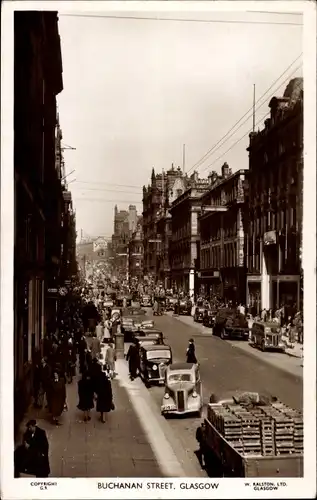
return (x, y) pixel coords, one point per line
(125, 223)
(157, 232)
(184, 247)
(222, 236)
(38, 196)
(136, 253)
(275, 212)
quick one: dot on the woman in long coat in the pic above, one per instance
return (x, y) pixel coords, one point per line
(57, 397)
(104, 396)
(86, 395)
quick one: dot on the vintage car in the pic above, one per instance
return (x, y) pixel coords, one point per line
(148, 340)
(230, 323)
(146, 301)
(170, 303)
(153, 362)
(183, 390)
(267, 336)
(151, 332)
(200, 312)
(183, 307)
(209, 318)
(146, 324)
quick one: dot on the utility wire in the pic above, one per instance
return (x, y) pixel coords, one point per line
(102, 200)
(206, 155)
(108, 184)
(179, 20)
(247, 119)
(110, 190)
(233, 145)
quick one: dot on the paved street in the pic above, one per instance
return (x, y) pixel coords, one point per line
(225, 366)
(137, 441)
(286, 362)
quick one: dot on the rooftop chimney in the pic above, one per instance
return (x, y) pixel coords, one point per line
(225, 171)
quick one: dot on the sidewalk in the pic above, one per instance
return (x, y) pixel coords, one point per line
(296, 351)
(118, 448)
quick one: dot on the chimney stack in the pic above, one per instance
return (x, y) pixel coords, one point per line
(225, 171)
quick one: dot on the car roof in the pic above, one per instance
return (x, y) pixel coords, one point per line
(152, 330)
(181, 366)
(156, 347)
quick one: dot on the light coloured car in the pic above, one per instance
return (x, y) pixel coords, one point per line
(183, 390)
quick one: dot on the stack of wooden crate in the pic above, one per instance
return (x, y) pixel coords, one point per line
(251, 434)
(297, 417)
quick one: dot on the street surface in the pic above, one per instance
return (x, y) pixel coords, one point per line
(136, 440)
(226, 366)
(291, 364)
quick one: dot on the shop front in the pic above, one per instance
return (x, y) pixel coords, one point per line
(280, 290)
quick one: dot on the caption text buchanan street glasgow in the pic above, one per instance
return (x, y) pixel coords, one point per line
(157, 486)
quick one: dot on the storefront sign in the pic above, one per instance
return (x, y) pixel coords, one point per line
(269, 238)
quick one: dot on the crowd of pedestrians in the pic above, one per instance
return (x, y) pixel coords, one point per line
(65, 355)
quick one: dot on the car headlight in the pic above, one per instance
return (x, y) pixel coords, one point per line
(166, 395)
(154, 367)
(194, 394)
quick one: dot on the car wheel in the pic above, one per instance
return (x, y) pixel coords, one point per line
(222, 334)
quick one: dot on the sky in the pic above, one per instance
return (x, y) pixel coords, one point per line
(136, 90)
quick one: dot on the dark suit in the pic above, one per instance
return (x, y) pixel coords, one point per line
(34, 459)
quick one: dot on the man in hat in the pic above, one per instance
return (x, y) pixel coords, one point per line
(31, 457)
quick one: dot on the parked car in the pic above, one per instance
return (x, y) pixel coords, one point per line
(148, 340)
(199, 313)
(267, 336)
(146, 301)
(170, 303)
(183, 307)
(151, 332)
(153, 362)
(230, 323)
(183, 390)
(209, 318)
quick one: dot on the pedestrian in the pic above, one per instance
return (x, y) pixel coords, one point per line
(107, 330)
(104, 396)
(37, 383)
(190, 353)
(200, 438)
(95, 347)
(46, 380)
(133, 357)
(264, 315)
(111, 358)
(100, 331)
(31, 457)
(57, 397)
(85, 395)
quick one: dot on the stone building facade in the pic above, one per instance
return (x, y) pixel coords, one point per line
(222, 236)
(185, 242)
(125, 223)
(38, 196)
(157, 227)
(275, 204)
(136, 253)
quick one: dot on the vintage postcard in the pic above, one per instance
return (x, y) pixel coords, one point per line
(158, 249)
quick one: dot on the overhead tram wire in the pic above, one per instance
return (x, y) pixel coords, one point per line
(108, 184)
(206, 155)
(180, 20)
(102, 200)
(110, 190)
(257, 109)
(239, 140)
